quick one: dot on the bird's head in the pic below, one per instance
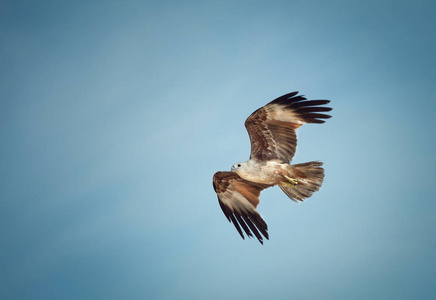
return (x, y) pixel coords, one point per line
(237, 166)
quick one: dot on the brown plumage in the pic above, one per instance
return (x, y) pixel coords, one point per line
(272, 128)
(272, 132)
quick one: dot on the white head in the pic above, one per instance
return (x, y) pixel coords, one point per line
(238, 166)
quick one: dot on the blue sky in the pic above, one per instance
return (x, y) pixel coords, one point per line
(114, 116)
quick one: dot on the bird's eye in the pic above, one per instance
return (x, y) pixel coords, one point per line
(239, 165)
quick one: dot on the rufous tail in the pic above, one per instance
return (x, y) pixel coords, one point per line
(309, 178)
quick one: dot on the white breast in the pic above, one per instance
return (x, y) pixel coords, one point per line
(264, 172)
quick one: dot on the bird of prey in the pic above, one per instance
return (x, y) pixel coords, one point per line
(272, 132)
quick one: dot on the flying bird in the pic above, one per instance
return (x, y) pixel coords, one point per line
(272, 131)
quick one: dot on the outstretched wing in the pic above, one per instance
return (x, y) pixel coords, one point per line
(238, 199)
(272, 127)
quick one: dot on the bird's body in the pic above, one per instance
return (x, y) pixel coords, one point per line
(272, 131)
(266, 172)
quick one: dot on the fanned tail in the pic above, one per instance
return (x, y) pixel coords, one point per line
(309, 176)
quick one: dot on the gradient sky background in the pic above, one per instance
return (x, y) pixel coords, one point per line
(115, 115)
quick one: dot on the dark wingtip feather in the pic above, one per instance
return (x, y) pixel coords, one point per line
(316, 116)
(252, 227)
(224, 209)
(235, 223)
(309, 103)
(284, 98)
(301, 104)
(260, 224)
(244, 226)
(314, 109)
(311, 110)
(316, 121)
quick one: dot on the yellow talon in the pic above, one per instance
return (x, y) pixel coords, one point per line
(292, 182)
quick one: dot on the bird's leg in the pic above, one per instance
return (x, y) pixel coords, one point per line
(293, 182)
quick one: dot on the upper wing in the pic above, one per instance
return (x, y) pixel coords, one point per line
(272, 128)
(238, 199)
